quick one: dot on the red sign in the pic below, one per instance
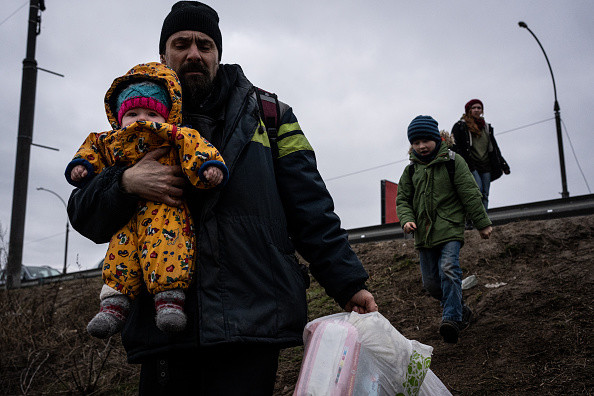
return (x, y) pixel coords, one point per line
(388, 194)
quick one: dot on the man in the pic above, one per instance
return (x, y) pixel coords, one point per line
(248, 299)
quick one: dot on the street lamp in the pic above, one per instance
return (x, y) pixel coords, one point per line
(564, 193)
(67, 225)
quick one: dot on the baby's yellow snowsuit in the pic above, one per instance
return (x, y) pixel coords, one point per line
(157, 245)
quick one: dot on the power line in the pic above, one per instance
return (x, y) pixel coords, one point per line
(525, 126)
(365, 170)
(404, 160)
(576, 159)
(47, 237)
(10, 16)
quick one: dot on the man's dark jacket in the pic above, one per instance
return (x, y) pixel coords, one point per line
(463, 143)
(249, 286)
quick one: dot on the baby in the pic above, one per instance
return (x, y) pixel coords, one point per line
(156, 248)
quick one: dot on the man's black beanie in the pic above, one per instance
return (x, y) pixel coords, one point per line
(191, 15)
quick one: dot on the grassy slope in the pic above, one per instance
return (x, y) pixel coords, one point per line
(531, 336)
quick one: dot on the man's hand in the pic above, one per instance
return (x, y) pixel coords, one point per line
(362, 302)
(409, 227)
(214, 175)
(153, 181)
(486, 232)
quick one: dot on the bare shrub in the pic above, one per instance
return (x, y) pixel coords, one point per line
(45, 348)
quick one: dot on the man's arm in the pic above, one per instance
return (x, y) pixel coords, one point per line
(314, 227)
(100, 208)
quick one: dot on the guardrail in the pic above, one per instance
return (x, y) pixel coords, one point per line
(556, 208)
(92, 273)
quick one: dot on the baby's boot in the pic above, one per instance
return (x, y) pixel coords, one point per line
(169, 305)
(111, 317)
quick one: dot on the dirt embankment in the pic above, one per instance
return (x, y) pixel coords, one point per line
(532, 333)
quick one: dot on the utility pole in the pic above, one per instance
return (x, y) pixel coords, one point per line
(24, 140)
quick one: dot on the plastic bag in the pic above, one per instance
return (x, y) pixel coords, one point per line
(363, 354)
(432, 386)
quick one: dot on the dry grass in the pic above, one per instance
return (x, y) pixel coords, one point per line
(45, 349)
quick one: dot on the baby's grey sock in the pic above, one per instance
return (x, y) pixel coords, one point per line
(169, 305)
(111, 317)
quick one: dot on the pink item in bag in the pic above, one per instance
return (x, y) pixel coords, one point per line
(330, 361)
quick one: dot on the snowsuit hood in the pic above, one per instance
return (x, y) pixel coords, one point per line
(152, 71)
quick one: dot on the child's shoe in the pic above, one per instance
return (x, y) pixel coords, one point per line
(449, 330)
(111, 317)
(466, 317)
(169, 305)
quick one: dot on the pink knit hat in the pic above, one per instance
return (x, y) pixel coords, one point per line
(146, 95)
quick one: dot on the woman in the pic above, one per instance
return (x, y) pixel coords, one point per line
(475, 142)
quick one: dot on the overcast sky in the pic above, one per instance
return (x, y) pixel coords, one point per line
(355, 72)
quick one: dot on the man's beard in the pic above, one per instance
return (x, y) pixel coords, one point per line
(195, 88)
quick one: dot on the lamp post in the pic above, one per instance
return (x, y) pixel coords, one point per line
(67, 226)
(564, 193)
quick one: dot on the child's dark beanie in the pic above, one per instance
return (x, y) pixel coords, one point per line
(423, 127)
(191, 15)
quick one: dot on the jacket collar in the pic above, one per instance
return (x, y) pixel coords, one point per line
(239, 123)
(442, 155)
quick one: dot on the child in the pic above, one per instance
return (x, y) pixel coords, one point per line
(433, 198)
(157, 245)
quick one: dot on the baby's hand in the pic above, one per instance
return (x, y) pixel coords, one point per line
(78, 173)
(214, 175)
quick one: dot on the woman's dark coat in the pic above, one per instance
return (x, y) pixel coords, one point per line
(463, 143)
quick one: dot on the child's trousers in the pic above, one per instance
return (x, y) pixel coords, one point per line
(156, 247)
(442, 277)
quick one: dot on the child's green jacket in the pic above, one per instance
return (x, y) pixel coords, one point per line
(436, 204)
